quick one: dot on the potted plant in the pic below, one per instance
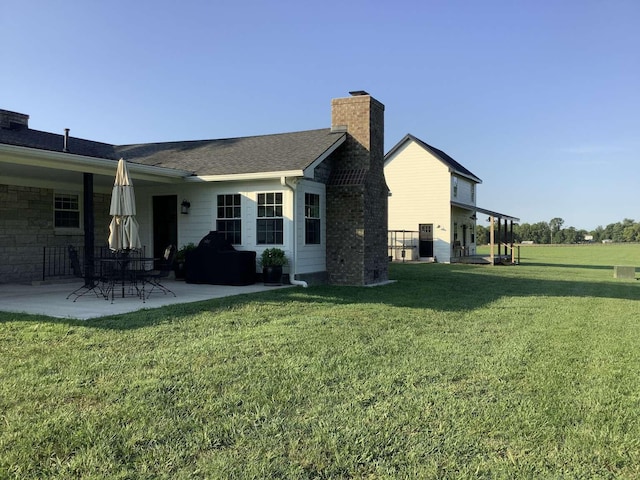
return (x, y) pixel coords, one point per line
(272, 260)
(181, 257)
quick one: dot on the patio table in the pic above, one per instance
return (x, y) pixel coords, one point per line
(122, 271)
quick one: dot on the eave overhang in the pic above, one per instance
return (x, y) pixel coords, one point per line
(239, 177)
(491, 213)
(33, 157)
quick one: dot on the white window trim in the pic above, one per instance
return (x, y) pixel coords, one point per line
(241, 217)
(68, 230)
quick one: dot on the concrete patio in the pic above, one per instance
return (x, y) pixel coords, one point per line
(51, 299)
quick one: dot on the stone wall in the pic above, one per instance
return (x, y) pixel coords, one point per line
(26, 227)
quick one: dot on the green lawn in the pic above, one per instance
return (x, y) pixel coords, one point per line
(529, 371)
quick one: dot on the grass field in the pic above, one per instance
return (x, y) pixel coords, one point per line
(454, 371)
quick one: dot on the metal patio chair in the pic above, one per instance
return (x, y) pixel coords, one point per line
(92, 283)
(156, 276)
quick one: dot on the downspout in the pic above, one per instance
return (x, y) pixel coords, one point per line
(292, 280)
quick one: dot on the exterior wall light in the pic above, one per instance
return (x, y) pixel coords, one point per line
(185, 206)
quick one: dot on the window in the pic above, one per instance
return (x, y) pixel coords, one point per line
(311, 218)
(455, 187)
(229, 218)
(269, 225)
(66, 210)
(473, 192)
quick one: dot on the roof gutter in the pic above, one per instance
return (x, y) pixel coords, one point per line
(244, 176)
(473, 178)
(292, 280)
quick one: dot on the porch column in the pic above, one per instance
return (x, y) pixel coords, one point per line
(511, 242)
(491, 240)
(89, 232)
(505, 240)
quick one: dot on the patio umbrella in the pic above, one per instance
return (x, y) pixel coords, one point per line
(123, 230)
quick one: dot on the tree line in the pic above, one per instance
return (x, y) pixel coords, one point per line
(552, 232)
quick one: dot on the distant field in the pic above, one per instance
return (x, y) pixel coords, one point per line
(453, 371)
(595, 254)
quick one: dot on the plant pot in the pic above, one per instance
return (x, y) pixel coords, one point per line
(180, 271)
(272, 276)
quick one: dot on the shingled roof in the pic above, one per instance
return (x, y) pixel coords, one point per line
(26, 137)
(264, 153)
(439, 154)
(283, 152)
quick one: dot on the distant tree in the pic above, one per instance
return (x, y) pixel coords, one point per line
(541, 232)
(570, 235)
(608, 231)
(627, 230)
(482, 235)
(522, 232)
(617, 230)
(598, 234)
(555, 225)
(631, 233)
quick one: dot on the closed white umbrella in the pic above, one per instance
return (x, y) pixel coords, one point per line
(123, 231)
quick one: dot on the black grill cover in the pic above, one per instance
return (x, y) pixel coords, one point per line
(217, 262)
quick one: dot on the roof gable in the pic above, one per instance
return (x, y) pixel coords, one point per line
(439, 154)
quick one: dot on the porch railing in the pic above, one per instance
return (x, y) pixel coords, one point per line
(56, 263)
(402, 244)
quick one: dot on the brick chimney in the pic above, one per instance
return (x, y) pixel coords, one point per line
(13, 120)
(357, 194)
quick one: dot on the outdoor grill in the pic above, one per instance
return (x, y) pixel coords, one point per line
(216, 261)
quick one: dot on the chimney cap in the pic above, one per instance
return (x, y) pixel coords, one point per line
(65, 143)
(358, 93)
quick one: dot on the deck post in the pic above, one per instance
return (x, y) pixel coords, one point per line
(499, 237)
(511, 241)
(491, 239)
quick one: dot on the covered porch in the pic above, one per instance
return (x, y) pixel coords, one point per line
(502, 249)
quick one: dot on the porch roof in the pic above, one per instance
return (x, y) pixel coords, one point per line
(491, 213)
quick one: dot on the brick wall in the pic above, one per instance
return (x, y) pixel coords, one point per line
(357, 203)
(26, 226)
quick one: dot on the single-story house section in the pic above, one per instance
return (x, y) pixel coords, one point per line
(320, 195)
(432, 204)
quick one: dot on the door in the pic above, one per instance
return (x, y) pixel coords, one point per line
(165, 223)
(425, 245)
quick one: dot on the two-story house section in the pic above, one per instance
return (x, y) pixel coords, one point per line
(433, 197)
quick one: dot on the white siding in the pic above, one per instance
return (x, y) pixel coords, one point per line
(202, 217)
(310, 258)
(420, 187)
(464, 190)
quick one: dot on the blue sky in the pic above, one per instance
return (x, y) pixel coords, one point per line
(540, 99)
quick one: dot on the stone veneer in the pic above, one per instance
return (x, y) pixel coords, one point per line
(26, 226)
(357, 195)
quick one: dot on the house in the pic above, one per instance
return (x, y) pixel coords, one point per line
(432, 204)
(320, 195)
